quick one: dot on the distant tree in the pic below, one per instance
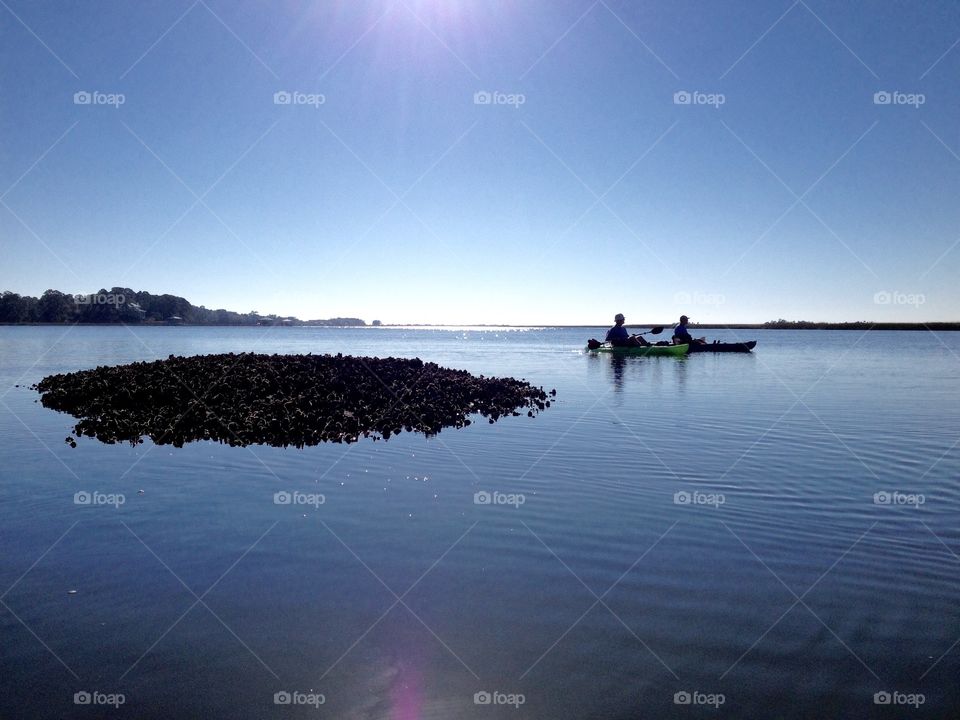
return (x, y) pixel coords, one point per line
(56, 307)
(12, 308)
(28, 312)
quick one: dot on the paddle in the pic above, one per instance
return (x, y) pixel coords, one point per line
(594, 344)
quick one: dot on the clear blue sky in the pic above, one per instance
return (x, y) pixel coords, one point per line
(400, 198)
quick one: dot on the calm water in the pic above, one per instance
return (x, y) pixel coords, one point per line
(704, 525)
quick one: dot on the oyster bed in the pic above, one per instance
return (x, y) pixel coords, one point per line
(280, 400)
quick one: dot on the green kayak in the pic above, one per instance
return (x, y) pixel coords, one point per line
(642, 350)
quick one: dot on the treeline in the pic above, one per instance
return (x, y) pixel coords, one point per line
(123, 305)
(858, 325)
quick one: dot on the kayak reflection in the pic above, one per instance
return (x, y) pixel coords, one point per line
(646, 371)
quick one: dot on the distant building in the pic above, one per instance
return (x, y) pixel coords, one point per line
(174, 320)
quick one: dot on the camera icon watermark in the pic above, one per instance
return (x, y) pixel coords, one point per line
(95, 697)
(897, 498)
(83, 497)
(495, 697)
(295, 497)
(100, 299)
(696, 697)
(495, 97)
(295, 697)
(295, 97)
(895, 97)
(899, 698)
(484, 497)
(95, 97)
(695, 97)
(695, 497)
(895, 297)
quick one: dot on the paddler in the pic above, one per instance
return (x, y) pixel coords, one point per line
(682, 335)
(618, 336)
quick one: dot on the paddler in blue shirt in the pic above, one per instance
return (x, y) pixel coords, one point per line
(682, 335)
(619, 337)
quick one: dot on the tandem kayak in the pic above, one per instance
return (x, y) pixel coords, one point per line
(743, 347)
(642, 350)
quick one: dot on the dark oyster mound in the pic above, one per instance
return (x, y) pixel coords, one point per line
(279, 400)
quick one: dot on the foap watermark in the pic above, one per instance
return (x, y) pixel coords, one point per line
(895, 97)
(495, 97)
(98, 498)
(295, 497)
(295, 697)
(698, 298)
(497, 697)
(695, 97)
(295, 97)
(695, 497)
(895, 497)
(483, 497)
(886, 297)
(895, 697)
(696, 697)
(100, 299)
(95, 697)
(95, 97)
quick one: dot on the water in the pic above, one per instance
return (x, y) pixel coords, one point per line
(702, 525)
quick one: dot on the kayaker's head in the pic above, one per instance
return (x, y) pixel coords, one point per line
(684, 319)
(619, 318)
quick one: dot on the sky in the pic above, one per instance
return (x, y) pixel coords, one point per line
(501, 162)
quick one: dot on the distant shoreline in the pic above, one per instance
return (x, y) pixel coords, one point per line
(132, 308)
(801, 325)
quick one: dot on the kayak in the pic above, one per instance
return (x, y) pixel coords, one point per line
(642, 350)
(743, 347)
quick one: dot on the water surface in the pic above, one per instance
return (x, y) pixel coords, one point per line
(715, 524)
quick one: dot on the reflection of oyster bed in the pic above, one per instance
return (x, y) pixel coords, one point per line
(279, 399)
